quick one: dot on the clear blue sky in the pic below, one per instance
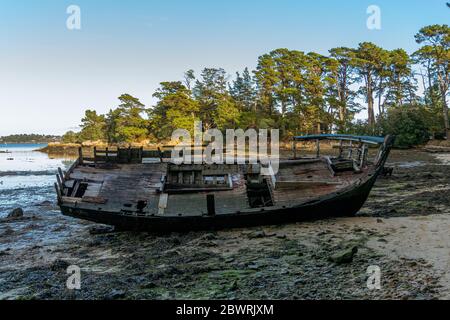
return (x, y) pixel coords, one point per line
(49, 75)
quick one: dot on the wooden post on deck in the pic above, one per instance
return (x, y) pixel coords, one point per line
(60, 184)
(318, 148)
(61, 175)
(211, 205)
(294, 147)
(360, 152)
(364, 151)
(80, 154)
(58, 192)
(160, 155)
(95, 155)
(341, 148)
(350, 150)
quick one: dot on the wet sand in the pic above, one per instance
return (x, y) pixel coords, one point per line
(403, 229)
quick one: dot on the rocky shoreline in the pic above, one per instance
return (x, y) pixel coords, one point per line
(72, 148)
(61, 148)
(403, 230)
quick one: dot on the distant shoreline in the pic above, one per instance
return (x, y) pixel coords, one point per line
(2, 144)
(29, 139)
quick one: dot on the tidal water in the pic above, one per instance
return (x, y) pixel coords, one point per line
(27, 176)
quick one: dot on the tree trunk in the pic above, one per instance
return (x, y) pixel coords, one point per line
(443, 86)
(370, 109)
(430, 85)
(424, 88)
(342, 117)
(445, 112)
(283, 123)
(342, 108)
(371, 114)
(446, 125)
(342, 98)
(380, 94)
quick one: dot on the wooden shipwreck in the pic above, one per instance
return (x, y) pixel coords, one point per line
(134, 189)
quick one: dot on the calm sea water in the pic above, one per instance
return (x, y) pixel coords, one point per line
(27, 176)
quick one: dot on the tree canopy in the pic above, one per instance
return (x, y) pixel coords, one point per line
(294, 91)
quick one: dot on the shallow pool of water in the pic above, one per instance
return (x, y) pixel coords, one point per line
(27, 176)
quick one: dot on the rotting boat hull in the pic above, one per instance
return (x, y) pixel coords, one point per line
(346, 202)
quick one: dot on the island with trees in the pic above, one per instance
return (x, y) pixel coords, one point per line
(298, 93)
(29, 139)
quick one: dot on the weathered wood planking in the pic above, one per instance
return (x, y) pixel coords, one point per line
(119, 188)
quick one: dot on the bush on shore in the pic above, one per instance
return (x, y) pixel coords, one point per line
(412, 125)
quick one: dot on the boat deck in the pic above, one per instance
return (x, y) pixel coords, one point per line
(138, 189)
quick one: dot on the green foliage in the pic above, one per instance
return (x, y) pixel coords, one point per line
(297, 89)
(71, 137)
(93, 127)
(399, 82)
(210, 92)
(298, 93)
(435, 56)
(176, 109)
(244, 92)
(341, 96)
(227, 114)
(410, 124)
(126, 124)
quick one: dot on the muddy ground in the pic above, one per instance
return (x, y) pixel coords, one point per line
(403, 229)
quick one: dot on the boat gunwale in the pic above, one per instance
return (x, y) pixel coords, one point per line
(344, 137)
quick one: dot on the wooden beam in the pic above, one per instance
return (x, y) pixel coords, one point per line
(350, 150)
(211, 204)
(61, 175)
(364, 155)
(75, 189)
(58, 193)
(163, 198)
(305, 184)
(294, 147)
(160, 154)
(95, 200)
(80, 155)
(341, 148)
(318, 148)
(72, 167)
(71, 200)
(60, 185)
(330, 166)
